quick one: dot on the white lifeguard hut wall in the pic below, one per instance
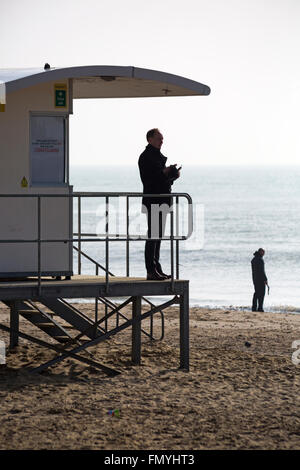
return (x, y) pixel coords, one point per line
(34, 152)
(18, 175)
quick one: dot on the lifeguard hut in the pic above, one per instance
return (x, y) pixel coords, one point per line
(36, 199)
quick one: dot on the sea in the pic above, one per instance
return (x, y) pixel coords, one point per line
(236, 209)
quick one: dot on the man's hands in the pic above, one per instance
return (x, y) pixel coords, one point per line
(172, 172)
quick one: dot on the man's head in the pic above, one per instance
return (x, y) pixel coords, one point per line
(261, 251)
(155, 138)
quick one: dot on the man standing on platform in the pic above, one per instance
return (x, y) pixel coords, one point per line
(156, 179)
(259, 280)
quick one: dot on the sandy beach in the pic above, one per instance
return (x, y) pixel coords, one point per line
(242, 391)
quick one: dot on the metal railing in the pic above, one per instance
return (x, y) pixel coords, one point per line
(109, 304)
(106, 238)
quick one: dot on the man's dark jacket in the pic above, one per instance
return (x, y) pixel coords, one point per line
(151, 165)
(258, 269)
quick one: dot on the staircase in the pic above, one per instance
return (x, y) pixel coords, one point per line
(75, 319)
(71, 315)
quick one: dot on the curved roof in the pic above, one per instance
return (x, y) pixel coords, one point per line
(106, 81)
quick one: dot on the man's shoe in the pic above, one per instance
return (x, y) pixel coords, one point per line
(254, 310)
(166, 276)
(260, 310)
(154, 276)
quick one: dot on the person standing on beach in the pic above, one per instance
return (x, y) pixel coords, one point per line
(259, 280)
(157, 178)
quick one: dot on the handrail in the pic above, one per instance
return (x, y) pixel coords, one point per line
(112, 305)
(107, 239)
(92, 260)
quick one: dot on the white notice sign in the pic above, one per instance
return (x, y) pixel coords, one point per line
(47, 149)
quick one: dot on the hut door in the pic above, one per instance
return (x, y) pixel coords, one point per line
(48, 150)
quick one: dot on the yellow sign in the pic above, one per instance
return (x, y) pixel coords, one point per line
(24, 182)
(2, 108)
(60, 95)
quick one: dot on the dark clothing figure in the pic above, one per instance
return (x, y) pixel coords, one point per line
(259, 280)
(258, 297)
(152, 247)
(151, 165)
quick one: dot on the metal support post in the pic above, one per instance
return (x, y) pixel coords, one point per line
(79, 234)
(184, 329)
(127, 236)
(106, 243)
(39, 247)
(172, 247)
(177, 235)
(136, 330)
(14, 325)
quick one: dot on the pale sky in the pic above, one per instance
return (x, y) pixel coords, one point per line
(246, 51)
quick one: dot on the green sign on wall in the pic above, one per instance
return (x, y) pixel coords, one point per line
(60, 91)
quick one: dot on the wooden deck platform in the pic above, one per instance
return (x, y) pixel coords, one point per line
(83, 286)
(15, 292)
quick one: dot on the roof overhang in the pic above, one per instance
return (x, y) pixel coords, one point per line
(106, 81)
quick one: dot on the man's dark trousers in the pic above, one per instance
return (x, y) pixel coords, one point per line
(258, 296)
(156, 228)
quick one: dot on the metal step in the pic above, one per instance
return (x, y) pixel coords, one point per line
(62, 338)
(42, 320)
(71, 316)
(27, 311)
(35, 316)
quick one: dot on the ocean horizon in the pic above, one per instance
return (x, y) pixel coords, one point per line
(237, 209)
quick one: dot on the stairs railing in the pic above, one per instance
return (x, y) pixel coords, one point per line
(109, 304)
